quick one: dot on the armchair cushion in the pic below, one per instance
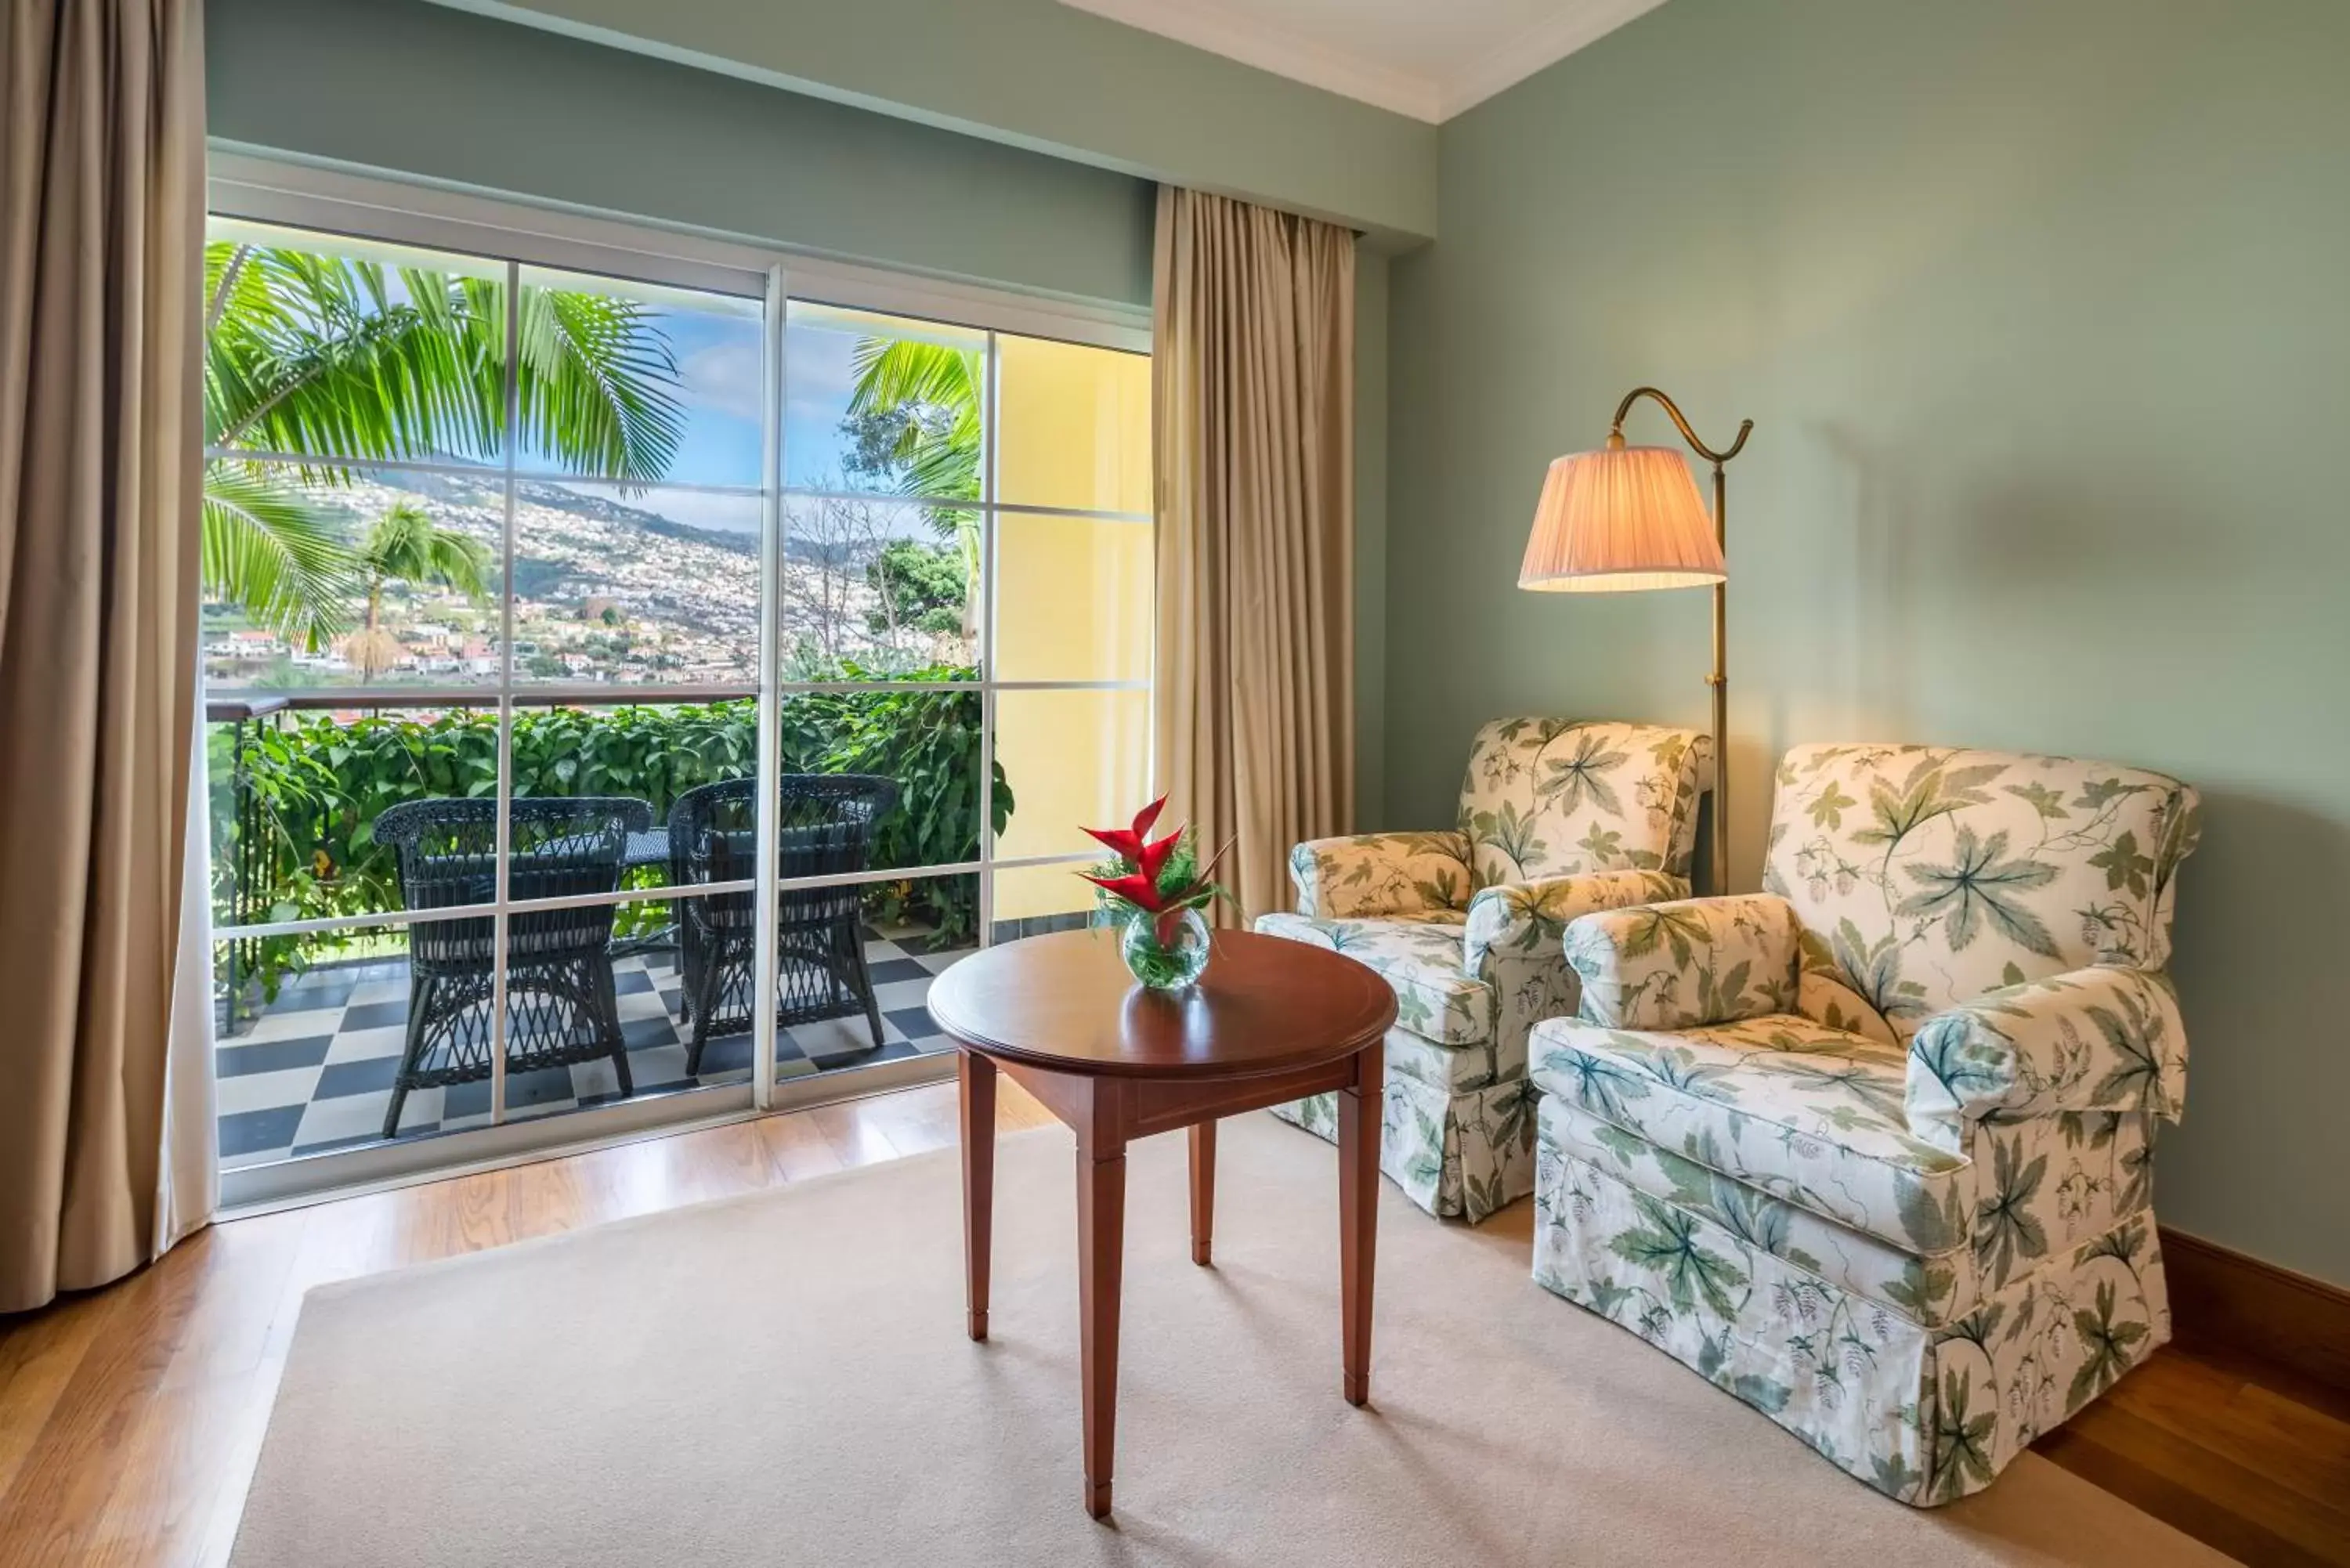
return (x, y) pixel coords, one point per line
(1528, 919)
(1932, 875)
(1419, 956)
(1550, 797)
(1783, 1105)
(1686, 963)
(2097, 1039)
(1379, 874)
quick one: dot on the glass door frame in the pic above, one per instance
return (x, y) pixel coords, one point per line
(518, 234)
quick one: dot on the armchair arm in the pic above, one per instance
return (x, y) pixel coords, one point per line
(1529, 919)
(1374, 874)
(1686, 964)
(2096, 1039)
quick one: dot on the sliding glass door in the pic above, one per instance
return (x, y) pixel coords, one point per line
(629, 685)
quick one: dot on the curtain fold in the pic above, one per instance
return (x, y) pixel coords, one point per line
(101, 244)
(1252, 430)
(187, 1187)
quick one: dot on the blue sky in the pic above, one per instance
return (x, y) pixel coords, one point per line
(718, 363)
(719, 369)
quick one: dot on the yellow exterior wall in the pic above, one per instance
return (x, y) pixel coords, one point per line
(1072, 602)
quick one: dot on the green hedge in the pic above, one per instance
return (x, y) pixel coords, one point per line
(319, 785)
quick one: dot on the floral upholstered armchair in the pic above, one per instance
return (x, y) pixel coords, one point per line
(1871, 1149)
(1557, 819)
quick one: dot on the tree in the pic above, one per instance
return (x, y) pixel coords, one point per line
(914, 408)
(913, 413)
(339, 362)
(918, 585)
(407, 546)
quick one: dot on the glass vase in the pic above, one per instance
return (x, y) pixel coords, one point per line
(1170, 965)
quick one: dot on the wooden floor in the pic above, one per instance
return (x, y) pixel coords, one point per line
(130, 1418)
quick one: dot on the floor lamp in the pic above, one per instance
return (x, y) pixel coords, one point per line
(1625, 518)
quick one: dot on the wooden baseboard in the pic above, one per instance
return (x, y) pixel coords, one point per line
(2221, 1298)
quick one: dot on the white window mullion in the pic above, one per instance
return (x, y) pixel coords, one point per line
(768, 768)
(502, 926)
(990, 408)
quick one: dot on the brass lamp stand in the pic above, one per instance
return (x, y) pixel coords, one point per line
(1627, 518)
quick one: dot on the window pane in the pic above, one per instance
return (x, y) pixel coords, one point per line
(330, 347)
(635, 381)
(882, 403)
(1073, 760)
(910, 931)
(597, 790)
(562, 1021)
(1073, 598)
(917, 754)
(643, 587)
(641, 755)
(1076, 426)
(878, 589)
(305, 1064)
(408, 597)
(298, 794)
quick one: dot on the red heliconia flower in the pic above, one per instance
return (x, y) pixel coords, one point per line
(1127, 843)
(1135, 889)
(1142, 866)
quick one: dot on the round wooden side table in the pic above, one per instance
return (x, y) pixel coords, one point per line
(1270, 1021)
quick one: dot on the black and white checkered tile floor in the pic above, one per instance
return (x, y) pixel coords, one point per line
(313, 1073)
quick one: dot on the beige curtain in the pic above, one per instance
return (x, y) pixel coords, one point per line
(1253, 400)
(101, 234)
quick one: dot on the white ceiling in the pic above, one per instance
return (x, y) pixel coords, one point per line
(1427, 58)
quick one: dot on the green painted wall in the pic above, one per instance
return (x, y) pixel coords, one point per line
(1042, 75)
(416, 89)
(2040, 312)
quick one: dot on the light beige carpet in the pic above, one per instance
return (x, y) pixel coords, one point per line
(784, 1380)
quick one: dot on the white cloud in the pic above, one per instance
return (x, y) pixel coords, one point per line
(724, 378)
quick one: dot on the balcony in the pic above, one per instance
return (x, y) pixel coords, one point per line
(313, 1022)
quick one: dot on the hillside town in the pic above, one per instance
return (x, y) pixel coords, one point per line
(608, 589)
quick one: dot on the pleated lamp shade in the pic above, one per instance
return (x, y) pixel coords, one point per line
(1618, 520)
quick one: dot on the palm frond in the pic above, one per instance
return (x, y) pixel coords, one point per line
(332, 357)
(893, 371)
(347, 359)
(597, 385)
(349, 362)
(266, 551)
(404, 545)
(937, 455)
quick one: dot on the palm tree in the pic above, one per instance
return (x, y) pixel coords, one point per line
(404, 546)
(929, 391)
(339, 362)
(932, 389)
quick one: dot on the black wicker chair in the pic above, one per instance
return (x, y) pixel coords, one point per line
(823, 828)
(560, 1007)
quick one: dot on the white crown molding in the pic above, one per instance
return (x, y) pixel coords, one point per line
(1432, 98)
(1236, 38)
(1576, 25)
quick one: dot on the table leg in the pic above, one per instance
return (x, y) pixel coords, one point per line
(1203, 1188)
(1101, 1250)
(1358, 1214)
(975, 1075)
